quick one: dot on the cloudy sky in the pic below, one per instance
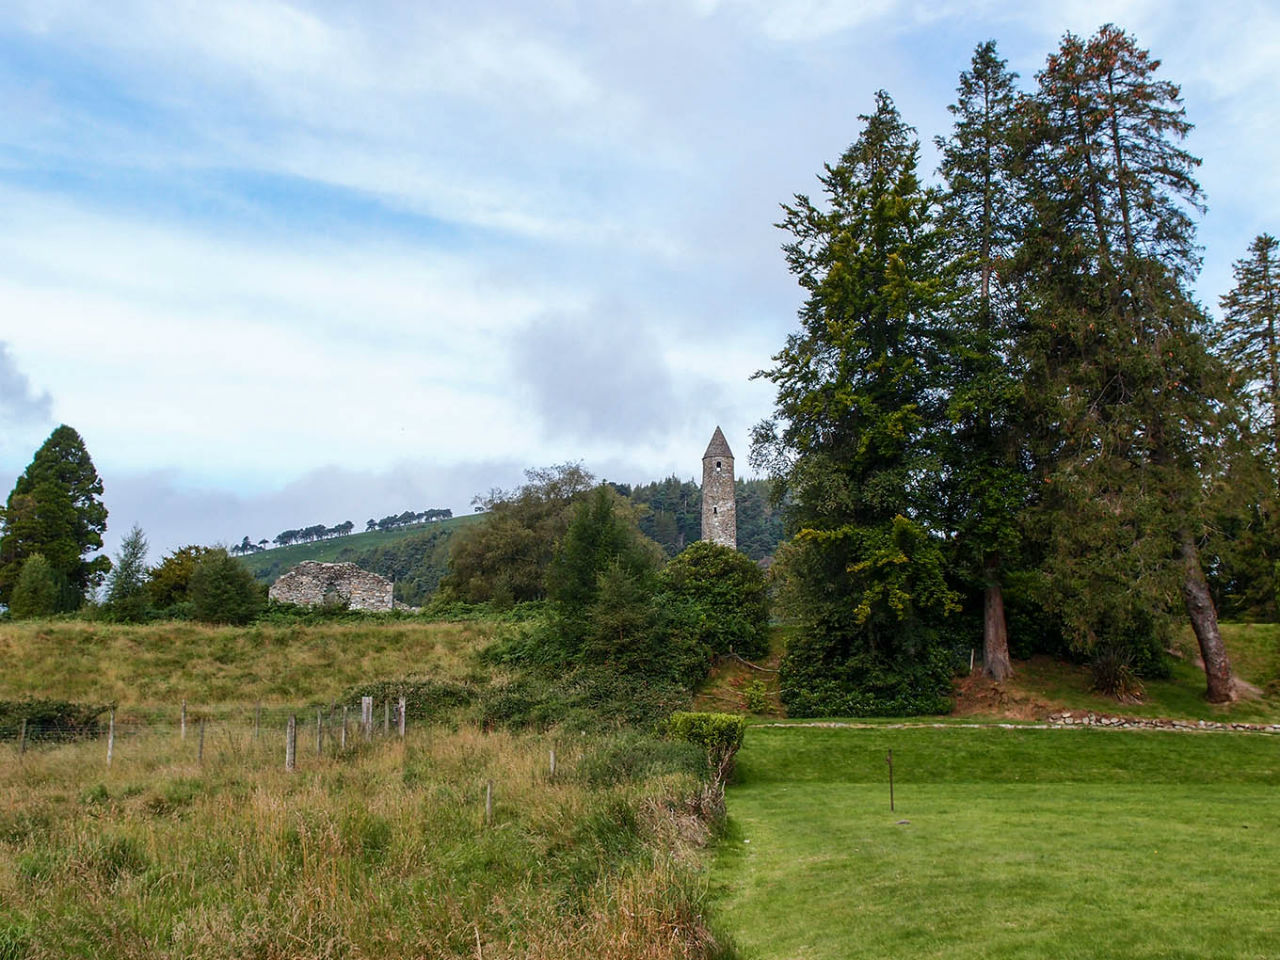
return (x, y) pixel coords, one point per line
(284, 263)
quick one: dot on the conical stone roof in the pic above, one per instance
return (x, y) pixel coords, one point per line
(718, 447)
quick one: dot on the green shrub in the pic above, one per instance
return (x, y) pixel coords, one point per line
(49, 719)
(727, 592)
(38, 591)
(1114, 674)
(222, 590)
(719, 734)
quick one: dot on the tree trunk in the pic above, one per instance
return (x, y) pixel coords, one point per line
(1204, 621)
(995, 632)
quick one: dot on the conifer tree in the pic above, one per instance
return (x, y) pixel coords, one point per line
(857, 401)
(55, 509)
(1249, 335)
(127, 597)
(1127, 392)
(986, 477)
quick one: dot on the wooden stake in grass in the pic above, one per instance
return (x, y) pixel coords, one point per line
(366, 717)
(319, 732)
(22, 737)
(182, 721)
(291, 744)
(553, 763)
(889, 760)
(488, 803)
(111, 736)
(343, 742)
(400, 716)
(200, 745)
(386, 718)
(257, 720)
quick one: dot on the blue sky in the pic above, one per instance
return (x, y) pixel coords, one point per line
(288, 263)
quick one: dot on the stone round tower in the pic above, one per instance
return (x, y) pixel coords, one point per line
(719, 509)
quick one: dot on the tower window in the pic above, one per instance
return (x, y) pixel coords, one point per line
(717, 464)
(715, 511)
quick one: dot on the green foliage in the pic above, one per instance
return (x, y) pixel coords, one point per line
(727, 594)
(859, 399)
(506, 556)
(717, 733)
(672, 515)
(1114, 675)
(49, 719)
(581, 699)
(127, 597)
(39, 590)
(221, 590)
(170, 582)
(55, 509)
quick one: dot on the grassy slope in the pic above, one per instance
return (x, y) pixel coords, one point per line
(1020, 844)
(164, 663)
(269, 564)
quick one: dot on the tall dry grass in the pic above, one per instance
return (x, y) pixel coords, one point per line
(381, 851)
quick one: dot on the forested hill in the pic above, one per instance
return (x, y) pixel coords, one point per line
(417, 557)
(674, 517)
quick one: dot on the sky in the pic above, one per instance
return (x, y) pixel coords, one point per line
(286, 263)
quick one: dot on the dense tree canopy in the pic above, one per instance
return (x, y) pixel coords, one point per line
(55, 509)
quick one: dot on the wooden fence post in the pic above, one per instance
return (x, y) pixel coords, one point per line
(319, 732)
(366, 717)
(344, 727)
(257, 720)
(22, 737)
(386, 718)
(291, 744)
(488, 803)
(400, 716)
(111, 736)
(200, 746)
(182, 721)
(553, 763)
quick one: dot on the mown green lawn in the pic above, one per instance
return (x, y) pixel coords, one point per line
(1019, 843)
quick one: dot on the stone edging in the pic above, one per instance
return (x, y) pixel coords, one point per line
(1068, 719)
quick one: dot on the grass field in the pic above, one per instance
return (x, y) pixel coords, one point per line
(165, 663)
(1018, 844)
(379, 851)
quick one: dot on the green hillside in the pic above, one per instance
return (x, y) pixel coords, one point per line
(415, 557)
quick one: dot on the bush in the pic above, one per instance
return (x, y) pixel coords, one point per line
(1114, 674)
(222, 590)
(39, 590)
(719, 734)
(49, 719)
(728, 594)
(863, 684)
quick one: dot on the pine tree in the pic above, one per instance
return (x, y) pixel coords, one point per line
(127, 582)
(857, 402)
(55, 509)
(1249, 334)
(986, 477)
(1127, 392)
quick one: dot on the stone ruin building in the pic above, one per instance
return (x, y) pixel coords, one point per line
(312, 584)
(719, 506)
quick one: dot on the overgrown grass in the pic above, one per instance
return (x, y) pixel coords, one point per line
(1017, 844)
(380, 852)
(167, 662)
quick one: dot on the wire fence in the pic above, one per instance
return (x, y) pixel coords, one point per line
(318, 729)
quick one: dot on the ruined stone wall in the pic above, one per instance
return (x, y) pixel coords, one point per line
(719, 502)
(312, 583)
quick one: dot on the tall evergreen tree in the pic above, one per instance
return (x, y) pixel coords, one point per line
(857, 400)
(1249, 334)
(1129, 397)
(55, 509)
(127, 598)
(986, 476)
